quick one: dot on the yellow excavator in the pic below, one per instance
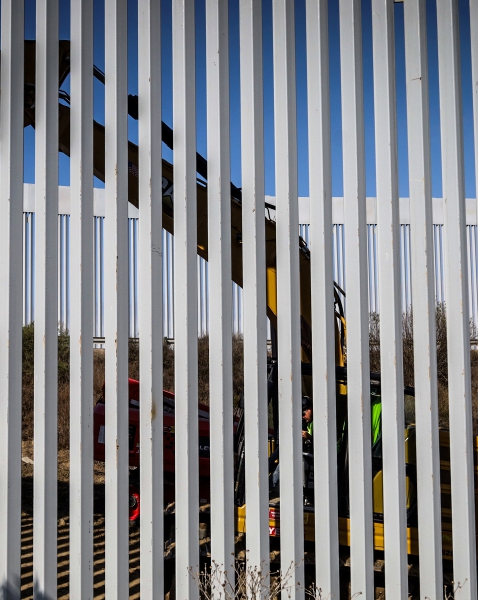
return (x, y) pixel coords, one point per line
(305, 309)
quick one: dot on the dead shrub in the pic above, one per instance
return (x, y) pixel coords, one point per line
(168, 366)
(474, 388)
(133, 359)
(203, 368)
(28, 384)
(407, 345)
(237, 368)
(98, 373)
(63, 415)
(442, 361)
(168, 362)
(442, 344)
(242, 581)
(374, 341)
(99, 376)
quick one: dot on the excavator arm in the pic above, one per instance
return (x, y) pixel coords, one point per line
(168, 203)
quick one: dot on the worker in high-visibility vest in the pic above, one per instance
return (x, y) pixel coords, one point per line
(308, 418)
(308, 434)
(376, 422)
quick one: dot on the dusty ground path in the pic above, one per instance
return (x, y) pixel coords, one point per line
(64, 562)
(63, 531)
(99, 538)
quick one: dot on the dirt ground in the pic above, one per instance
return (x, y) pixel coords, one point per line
(99, 539)
(63, 531)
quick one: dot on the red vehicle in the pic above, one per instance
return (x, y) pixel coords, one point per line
(168, 436)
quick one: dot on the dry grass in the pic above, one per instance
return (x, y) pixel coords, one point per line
(203, 367)
(237, 366)
(99, 377)
(243, 581)
(442, 362)
(238, 371)
(63, 385)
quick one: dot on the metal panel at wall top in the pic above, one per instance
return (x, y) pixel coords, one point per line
(64, 298)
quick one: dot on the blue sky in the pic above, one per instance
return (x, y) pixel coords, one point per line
(268, 90)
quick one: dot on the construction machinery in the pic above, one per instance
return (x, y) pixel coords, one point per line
(305, 310)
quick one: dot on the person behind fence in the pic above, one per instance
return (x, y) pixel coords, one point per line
(307, 438)
(308, 421)
(308, 446)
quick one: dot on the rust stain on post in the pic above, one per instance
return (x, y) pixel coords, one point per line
(153, 410)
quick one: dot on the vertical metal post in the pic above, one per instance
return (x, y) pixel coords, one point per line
(26, 233)
(254, 278)
(46, 294)
(99, 275)
(423, 301)
(200, 297)
(288, 286)
(220, 295)
(170, 276)
(391, 360)
(358, 360)
(322, 300)
(11, 203)
(67, 272)
(472, 282)
(150, 251)
(101, 269)
(473, 273)
(186, 298)
(438, 264)
(98, 278)
(474, 78)
(371, 273)
(116, 301)
(131, 298)
(341, 255)
(456, 285)
(82, 302)
(61, 268)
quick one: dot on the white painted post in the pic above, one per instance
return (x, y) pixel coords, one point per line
(82, 302)
(116, 301)
(220, 295)
(11, 206)
(322, 301)
(423, 301)
(46, 294)
(438, 264)
(473, 267)
(288, 296)
(391, 357)
(358, 361)
(474, 74)
(185, 298)
(99, 277)
(131, 276)
(170, 275)
(456, 286)
(254, 286)
(372, 273)
(150, 253)
(473, 273)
